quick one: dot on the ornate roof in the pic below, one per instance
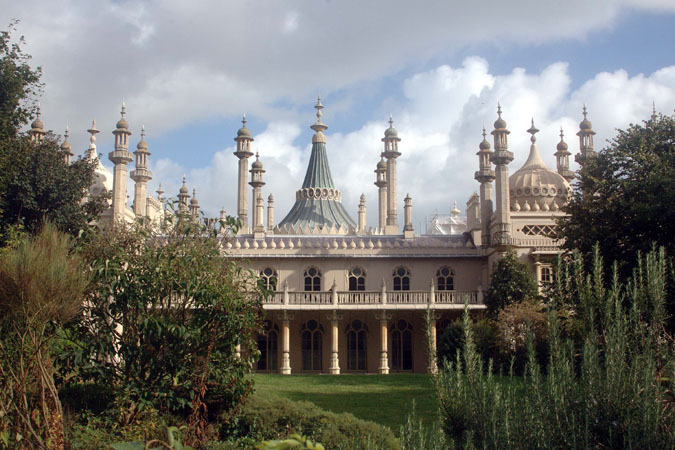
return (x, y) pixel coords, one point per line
(318, 204)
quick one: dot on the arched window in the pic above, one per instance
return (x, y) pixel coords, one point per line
(268, 346)
(312, 279)
(357, 279)
(401, 279)
(312, 334)
(445, 279)
(401, 345)
(269, 278)
(356, 345)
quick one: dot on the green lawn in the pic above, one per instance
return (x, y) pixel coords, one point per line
(385, 399)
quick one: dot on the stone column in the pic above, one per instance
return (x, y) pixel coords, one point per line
(334, 368)
(383, 317)
(408, 232)
(285, 368)
(433, 360)
(270, 212)
(362, 214)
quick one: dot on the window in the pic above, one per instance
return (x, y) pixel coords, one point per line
(269, 278)
(401, 345)
(357, 279)
(401, 279)
(445, 279)
(312, 333)
(356, 345)
(268, 346)
(546, 275)
(312, 279)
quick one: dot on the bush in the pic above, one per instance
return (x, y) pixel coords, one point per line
(511, 282)
(452, 340)
(268, 419)
(513, 325)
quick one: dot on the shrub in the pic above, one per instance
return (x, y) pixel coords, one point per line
(268, 419)
(511, 282)
(513, 326)
(452, 340)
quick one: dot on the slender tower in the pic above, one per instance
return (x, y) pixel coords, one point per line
(562, 159)
(362, 214)
(37, 128)
(485, 176)
(120, 157)
(66, 148)
(141, 176)
(243, 152)
(183, 198)
(257, 183)
(194, 203)
(270, 213)
(381, 183)
(585, 141)
(391, 152)
(501, 158)
(408, 232)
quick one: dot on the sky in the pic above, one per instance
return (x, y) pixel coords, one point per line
(188, 71)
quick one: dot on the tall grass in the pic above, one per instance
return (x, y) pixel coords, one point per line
(609, 386)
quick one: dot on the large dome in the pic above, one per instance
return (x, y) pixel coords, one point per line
(536, 187)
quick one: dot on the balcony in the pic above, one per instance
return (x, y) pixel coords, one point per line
(364, 300)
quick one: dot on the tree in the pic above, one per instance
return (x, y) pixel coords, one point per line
(42, 287)
(19, 85)
(510, 282)
(36, 183)
(623, 199)
(166, 318)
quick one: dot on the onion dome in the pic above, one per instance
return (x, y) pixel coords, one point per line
(37, 123)
(256, 164)
(193, 200)
(499, 123)
(66, 144)
(484, 145)
(382, 164)
(585, 124)
(142, 145)
(391, 131)
(562, 145)
(270, 198)
(243, 131)
(183, 188)
(535, 186)
(122, 123)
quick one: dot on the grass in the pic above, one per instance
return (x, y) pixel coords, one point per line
(384, 399)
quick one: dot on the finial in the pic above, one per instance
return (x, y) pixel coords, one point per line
(142, 132)
(533, 130)
(243, 120)
(194, 191)
(484, 133)
(123, 112)
(257, 156)
(499, 110)
(184, 179)
(318, 107)
(38, 110)
(93, 131)
(455, 210)
(391, 121)
(562, 135)
(66, 134)
(584, 111)
(654, 116)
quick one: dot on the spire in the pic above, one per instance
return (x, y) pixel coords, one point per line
(562, 158)
(533, 160)
(160, 192)
(91, 151)
(533, 130)
(319, 127)
(37, 128)
(455, 210)
(654, 116)
(585, 140)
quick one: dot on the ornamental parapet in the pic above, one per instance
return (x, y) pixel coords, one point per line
(316, 193)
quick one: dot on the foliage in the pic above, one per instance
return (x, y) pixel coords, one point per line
(415, 436)
(293, 441)
(172, 442)
(515, 325)
(452, 339)
(511, 282)
(19, 84)
(623, 198)
(272, 418)
(165, 319)
(42, 286)
(620, 397)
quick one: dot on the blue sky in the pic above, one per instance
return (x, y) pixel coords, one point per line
(188, 72)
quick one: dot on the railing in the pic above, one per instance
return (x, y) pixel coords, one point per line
(456, 297)
(408, 297)
(375, 298)
(359, 298)
(309, 298)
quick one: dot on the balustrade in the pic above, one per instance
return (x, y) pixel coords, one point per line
(375, 298)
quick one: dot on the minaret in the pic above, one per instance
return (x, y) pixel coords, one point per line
(258, 227)
(562, 158)
(501, 158)
(362, 214)
(120, 157)
(485, 176)
(585, 141)
(160, 192)
(183, 198)
(243, 152)
(141, 176)
(270, 213)
(257, 183)
(223, 219)
(66, 148)
(391, 152)
(91, 154)
(194, 203)
(381, 183)
(408, 232)
(37, 128)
